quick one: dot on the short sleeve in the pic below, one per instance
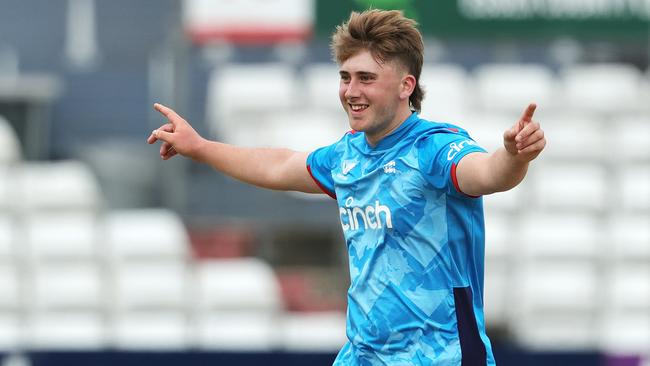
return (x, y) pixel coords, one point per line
(439, 154)
(320, 166)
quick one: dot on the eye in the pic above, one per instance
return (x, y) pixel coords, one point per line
(345, 78)
(366, 78)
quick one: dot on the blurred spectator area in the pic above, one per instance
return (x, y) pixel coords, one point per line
(103, 245)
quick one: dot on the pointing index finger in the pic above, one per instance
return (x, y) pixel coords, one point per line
(528, 113)
(167, 112)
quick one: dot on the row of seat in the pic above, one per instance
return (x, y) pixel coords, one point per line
(228, 304)
(169, 331)
(244, 97)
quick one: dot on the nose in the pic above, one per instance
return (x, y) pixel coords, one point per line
(351, 90)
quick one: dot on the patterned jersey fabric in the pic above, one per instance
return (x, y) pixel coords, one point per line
(415, 245)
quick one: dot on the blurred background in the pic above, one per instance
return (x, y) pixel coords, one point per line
(109, 255)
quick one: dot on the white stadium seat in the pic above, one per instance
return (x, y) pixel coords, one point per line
(556, 286)
(67, 235)
(631, 134)
(146, 234)
(511, 87)
(570, 186)
(237, 331)
(67, 331)
(67, 286)
(65, 185)
(634, 187)
(237, 90)
(559, 236)
(238, 304)
(10, 288)
(322, 87)
(150, 286)
(629, 287)
(447, 92)
(11, 332)
(572, 137)
(558, 332)
(628, 236)
(625, 332)
(606, 88)
(9, 234)
(556, 306)
(237, 284)
(313, 332)
(304, 129)
(151, 331)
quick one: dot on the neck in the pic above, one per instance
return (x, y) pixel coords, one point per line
(402, 115)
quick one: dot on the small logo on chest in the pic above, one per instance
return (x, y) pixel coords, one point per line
(347, 166)
(389, 168)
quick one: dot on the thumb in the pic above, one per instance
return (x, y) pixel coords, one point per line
(511, 133)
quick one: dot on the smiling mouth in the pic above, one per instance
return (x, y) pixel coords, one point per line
(358, 107)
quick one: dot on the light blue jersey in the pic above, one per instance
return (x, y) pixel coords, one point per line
(415, 244)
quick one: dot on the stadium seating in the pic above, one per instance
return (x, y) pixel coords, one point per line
(508, 88)
(63, 185)
(631, 137)
(304, 129)
(446, 88)
(151, 331)
(575, 137)
(60, 236)
(321, 81)
(605, 89)
(238, 304)
(634, 188)
(145, 235)
(239, 94)
(628, 236)
(313, 332)
(555, 305)
(568, 251)
(66, 331)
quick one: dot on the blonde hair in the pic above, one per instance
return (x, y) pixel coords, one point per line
(389, 36)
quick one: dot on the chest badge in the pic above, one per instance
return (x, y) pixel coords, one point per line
(389, 168)
(348, 165)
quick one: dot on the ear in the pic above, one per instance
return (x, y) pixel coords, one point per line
(407, 86)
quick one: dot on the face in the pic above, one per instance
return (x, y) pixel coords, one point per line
(374, 96)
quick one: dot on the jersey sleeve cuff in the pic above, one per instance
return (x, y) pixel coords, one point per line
(454, 165)
(319, 184)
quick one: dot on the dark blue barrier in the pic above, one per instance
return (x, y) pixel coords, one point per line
(505, 356)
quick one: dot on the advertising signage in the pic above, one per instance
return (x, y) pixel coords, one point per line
(496, 19)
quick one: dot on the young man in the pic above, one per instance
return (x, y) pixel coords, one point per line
(408, 192)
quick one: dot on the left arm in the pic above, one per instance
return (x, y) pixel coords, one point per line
(480, 174)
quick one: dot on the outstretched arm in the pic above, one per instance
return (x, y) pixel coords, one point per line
(280, 169)
(479, 173)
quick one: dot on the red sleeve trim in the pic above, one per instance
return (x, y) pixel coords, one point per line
(455, 180)
(325, 190)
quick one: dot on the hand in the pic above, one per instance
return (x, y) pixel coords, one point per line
(525, 140)
(178, 136)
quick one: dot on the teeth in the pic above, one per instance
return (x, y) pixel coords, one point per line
(358, 107)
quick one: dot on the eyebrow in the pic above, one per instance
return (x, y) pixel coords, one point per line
(358, 73)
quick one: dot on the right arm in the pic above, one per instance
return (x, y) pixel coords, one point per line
(273, 168)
